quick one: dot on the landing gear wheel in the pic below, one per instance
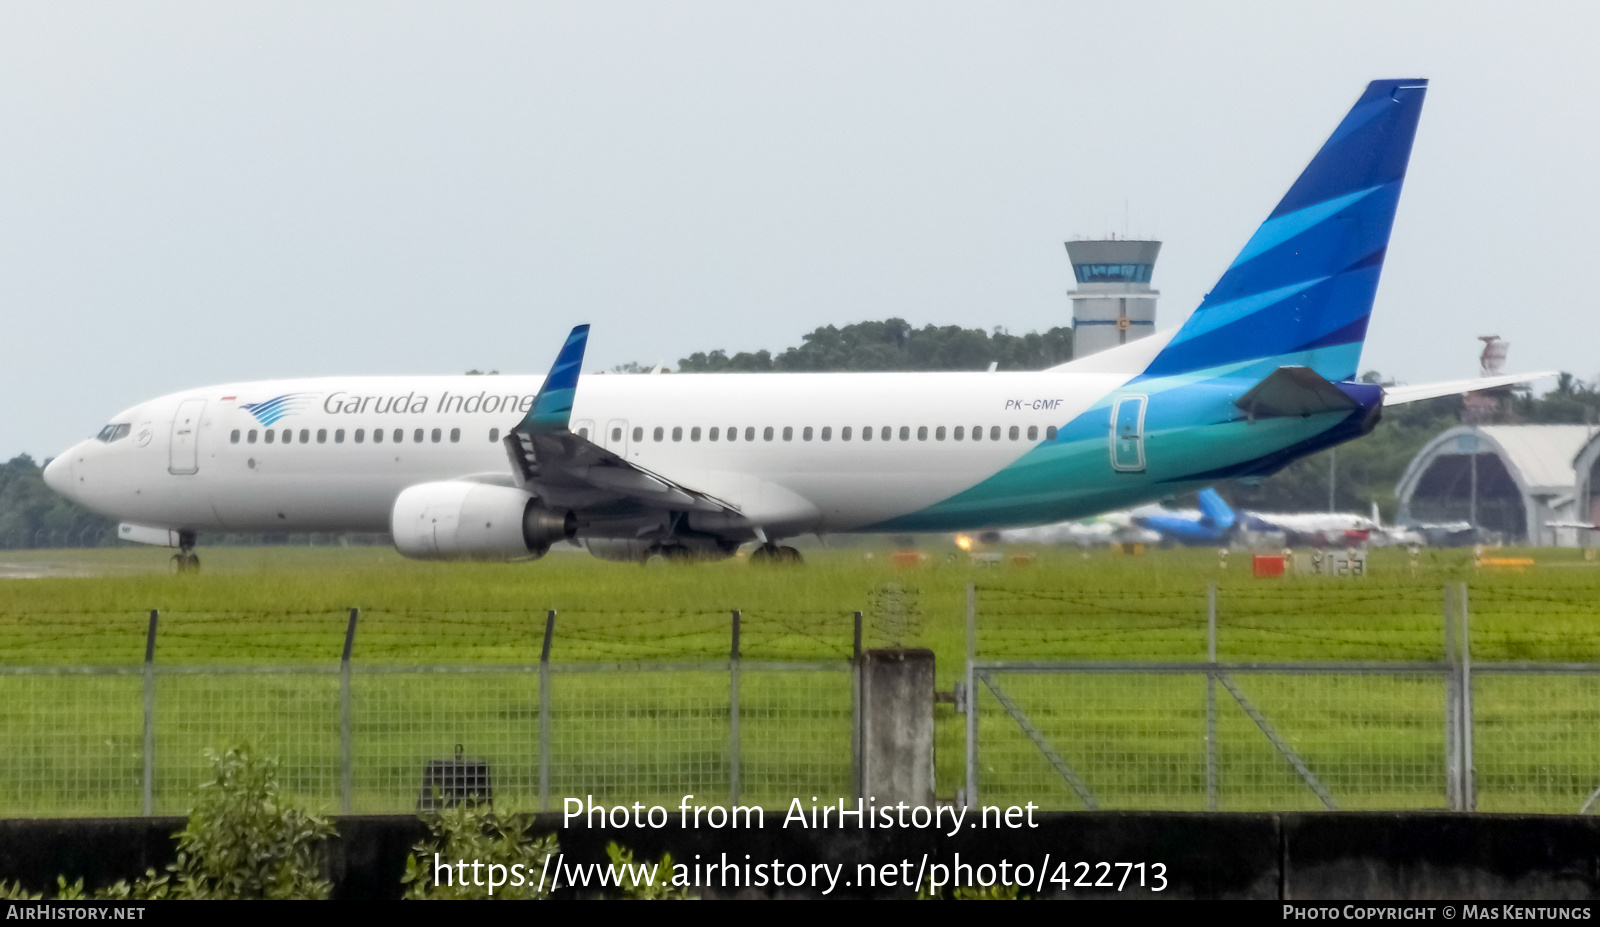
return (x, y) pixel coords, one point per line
(194, 562)
(772, 553)
(184, 562)
(177, 564)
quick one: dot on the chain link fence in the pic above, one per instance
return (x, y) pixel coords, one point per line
(1232, 735)
(120, 740)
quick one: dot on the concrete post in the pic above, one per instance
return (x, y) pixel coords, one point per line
(897, 726)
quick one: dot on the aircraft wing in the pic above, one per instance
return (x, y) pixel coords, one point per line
(551, 461)
(1396, 395)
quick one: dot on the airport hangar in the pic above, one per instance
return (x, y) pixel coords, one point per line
(1535, 483)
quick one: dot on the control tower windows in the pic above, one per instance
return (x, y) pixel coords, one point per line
(1112, 273)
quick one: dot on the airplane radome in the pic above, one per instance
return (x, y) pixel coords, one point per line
(501, 468)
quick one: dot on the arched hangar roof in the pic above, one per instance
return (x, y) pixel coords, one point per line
(1538, 458)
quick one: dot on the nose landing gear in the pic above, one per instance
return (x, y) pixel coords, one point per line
(185, 560)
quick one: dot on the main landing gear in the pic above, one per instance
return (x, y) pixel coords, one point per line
(185, 560)
(772, 553)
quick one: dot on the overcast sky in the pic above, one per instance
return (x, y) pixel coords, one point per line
(200, 192)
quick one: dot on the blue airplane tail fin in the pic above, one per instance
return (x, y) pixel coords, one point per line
(1301, 291)
(1218, 511)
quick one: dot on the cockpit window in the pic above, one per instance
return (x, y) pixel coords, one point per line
(113, 432)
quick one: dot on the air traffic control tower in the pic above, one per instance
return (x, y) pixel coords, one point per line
(1113, 303)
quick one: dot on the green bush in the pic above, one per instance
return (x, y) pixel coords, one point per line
(501, 846)
(242, 842)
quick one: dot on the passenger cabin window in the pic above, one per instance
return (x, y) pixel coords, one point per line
(977, 432)
(805, 434)
(1050, 433)
(399, 435)
(250, 438)
(844, 433)
(494, 435)
(694, 433)
(922, 432)
(712, 435)
(638, 434)
(827, 433)
(234, 437)
(288, 436)
(750, 434)
(455, 436)
(905, 432)
(766, 433)
(994, 433)
(361, 435)
(938, 434)
(960, 433)
(416, 436)
(269, 435)
(788, 433)
(658, 433)
(866, 433)
(887, 433)
(377, 436)
(677, 432)
(305, 436)
(322, 436)
(1033, 432)
(338, 436)
(436, 436)
(616, 434)
(1015, 433)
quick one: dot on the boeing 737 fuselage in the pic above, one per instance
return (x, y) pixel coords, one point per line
(504, 467)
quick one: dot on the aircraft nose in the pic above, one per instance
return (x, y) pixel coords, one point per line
(58, 474)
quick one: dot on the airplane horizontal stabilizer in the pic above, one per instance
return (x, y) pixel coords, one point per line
(1396, 395)
(1293, 391)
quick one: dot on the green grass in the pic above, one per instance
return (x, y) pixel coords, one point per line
(73, 745)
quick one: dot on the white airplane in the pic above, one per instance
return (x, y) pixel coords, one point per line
(502, 468)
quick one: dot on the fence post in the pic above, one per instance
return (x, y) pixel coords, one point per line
(150, 715)
(1211, 697)
(969, 792)
(345, 778)
(544, 711)
(855, 712)
(1452, 707)
(1469, 778)
(733, 714)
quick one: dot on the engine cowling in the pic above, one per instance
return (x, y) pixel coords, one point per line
(475, 521)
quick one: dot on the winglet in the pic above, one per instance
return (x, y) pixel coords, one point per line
(552, 408)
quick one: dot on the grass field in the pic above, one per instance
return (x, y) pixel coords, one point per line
(73, 744)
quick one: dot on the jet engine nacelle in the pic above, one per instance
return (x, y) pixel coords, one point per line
(475, 521)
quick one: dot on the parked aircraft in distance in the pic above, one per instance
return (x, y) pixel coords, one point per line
(502, 468)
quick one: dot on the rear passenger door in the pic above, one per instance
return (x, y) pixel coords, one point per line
(1127, 434)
